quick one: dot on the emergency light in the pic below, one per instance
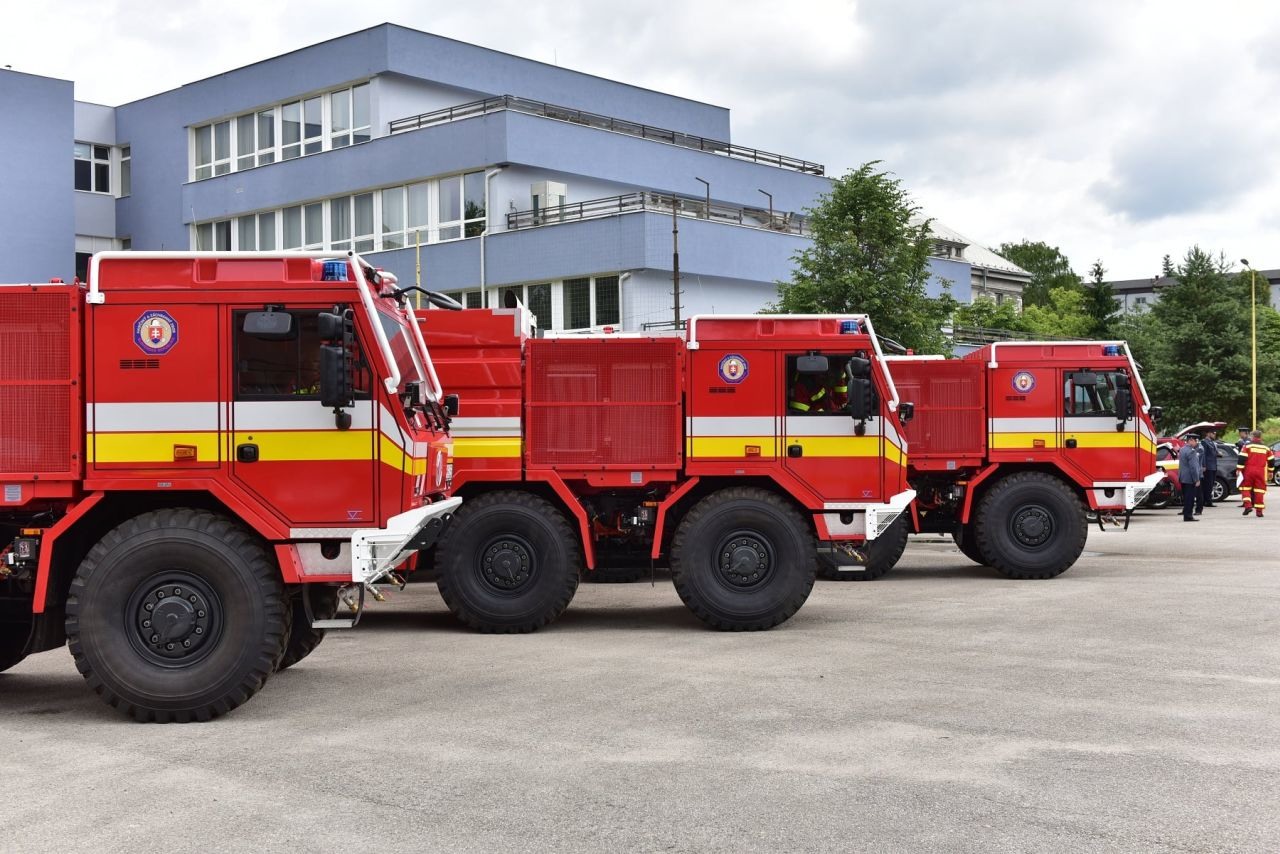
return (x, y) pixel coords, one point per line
(849, 327)
(1112, 350)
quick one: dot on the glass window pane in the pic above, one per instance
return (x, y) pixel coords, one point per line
(360, 99)
(340, 111)
(84, 151)
(102, 177)
(473, 299)
(101, 152)
(393, 209)
(204, 144)
(313, 216)
(84, 175)
(266, 129)
(267, 232)
(126, 175)
(364, 213)
(577, 303)
(292, 227)
(246, 234)
(340, 218)
(473, 195)
(245, 141)
(204, 236)
(311, 112)
(540, 304)
(291, 123)
(608, 309)
(450, 232)
(222, 140)
(222, 235)
(417, 206)
(450, 207)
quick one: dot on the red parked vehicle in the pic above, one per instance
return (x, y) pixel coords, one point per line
(162, 436)
(1014, 443)
(573, 450)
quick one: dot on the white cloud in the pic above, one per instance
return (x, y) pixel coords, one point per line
(1122, 130)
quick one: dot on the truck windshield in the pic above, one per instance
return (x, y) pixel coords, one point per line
(398, 338)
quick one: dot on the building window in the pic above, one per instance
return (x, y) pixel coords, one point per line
(126, 171)
(393, 218)
(473, 208)
(213, 150)
(255, 139)
(214, 236)
(419, 206)
(93, 167)
(576, 295)
(608, 304)
(349, 116)
(82, 265)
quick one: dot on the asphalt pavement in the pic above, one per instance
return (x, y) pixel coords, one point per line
(1132, 704)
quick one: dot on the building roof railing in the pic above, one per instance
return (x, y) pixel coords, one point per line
(581, 117)
(787, 223)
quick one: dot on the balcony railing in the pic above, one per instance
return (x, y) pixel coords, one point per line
(568, 114)
(787, 223)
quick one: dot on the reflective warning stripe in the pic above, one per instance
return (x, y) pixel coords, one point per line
(472, 447)
(801, 407)
(148, 447)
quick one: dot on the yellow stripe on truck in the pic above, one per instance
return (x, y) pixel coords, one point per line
(487, 446)
(735, 447)
(149, 447)
(1019, 441)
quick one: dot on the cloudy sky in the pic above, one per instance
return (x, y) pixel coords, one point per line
(1115, 129)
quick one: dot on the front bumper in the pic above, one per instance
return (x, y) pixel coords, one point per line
(870, 519)
(375, 552)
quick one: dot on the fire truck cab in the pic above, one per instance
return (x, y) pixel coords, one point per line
(1012, 444)
(733, 448)
(202, 457)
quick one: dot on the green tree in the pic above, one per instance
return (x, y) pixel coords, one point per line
(1062, 316)
(1048, 267)
(1194, 345)
(1100, 303)
(984, 313)
(870, 254)
(1166, 268)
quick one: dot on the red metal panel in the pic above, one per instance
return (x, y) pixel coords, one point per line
(604, 403)
(950, 408)
(40, 411)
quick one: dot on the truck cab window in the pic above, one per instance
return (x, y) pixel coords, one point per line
(1081, 398)
(818, 393)
(285, 370)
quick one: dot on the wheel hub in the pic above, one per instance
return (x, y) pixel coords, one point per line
(744, 559)
(507, 563)
(1032, 526)
(174, 619)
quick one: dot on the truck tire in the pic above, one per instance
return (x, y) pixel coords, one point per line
(225, 613)
(303, 639)
(1030, 525)
(743, 559)
(883, 554)
(966, 543)
(509, 562)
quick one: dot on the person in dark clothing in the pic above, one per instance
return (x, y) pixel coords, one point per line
(1209, 447)
(1244, 437)
(1190, 471)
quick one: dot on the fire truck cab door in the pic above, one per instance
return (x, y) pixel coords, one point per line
(286, 447)
(1094, 441)
(820, 443)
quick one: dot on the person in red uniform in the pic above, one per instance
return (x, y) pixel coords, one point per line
(1254, 465)
(808, 395)
(838, 390)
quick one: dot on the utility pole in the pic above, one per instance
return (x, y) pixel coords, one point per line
(675, 260)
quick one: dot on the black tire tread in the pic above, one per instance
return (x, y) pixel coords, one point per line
(563, 531)
(985, 525)
(302, 638)
(691, 520)
(883, 554)
(266, 575)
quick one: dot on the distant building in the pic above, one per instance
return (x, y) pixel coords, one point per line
(990, 275)
(1138, 295)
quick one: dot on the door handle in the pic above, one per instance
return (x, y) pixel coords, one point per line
(247, 453)
(795, 451)
(1071, 443)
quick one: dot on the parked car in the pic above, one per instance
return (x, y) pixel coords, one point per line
(1198, 428)
(1275, 464)
(1169, 490)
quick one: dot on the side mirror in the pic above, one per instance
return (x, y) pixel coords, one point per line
(270, 325)
(451, 405)
(812, 365)
(1084, 378)
(859, 367)
(331, 326)
(906, 411)
(1156, 413)
(862, 398)
(335, 383)
(1124, 404)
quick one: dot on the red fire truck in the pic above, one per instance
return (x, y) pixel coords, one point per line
(164, 437)
(575, 449)
(1013, 443)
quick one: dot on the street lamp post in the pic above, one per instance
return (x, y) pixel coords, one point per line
(1253, 329)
